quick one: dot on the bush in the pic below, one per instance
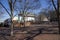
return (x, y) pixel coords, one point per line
(1, 25)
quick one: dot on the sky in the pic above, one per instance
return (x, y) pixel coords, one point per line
(36, 11)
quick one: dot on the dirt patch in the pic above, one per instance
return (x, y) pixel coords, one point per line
(47, 37)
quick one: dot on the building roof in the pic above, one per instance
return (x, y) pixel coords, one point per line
(27, 14)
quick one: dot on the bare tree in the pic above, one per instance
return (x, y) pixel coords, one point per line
(27, 5)
(11, 14)
(56, 4)
(23, 6)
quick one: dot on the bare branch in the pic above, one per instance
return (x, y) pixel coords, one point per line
(14, 3)
(54, 4)
(5, 8)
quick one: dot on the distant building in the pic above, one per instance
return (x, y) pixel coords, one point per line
(21, 19)
(27, 17)
(42, 17)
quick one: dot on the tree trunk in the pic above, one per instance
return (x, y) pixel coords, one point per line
(11, 9)
(58, 15)
(11, 27)
(57, 12)
(24, 20)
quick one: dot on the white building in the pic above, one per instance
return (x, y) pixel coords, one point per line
(28, 17)
(19, 20)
